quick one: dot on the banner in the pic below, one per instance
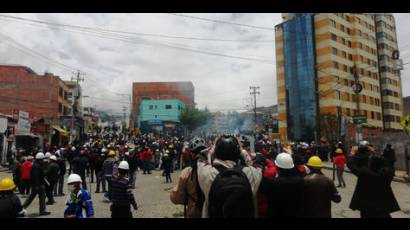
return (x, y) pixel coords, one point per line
(3, 125)
(23, 125)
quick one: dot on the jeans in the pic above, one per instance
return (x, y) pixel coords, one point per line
(339, 173)
(108, 193)
(58, 187)
(122, 211)
(146, 167)
(99, 176)
(84, 184)
(49, 192)
(25, 187)
(92, 171)
(132, 178)
(40, 191)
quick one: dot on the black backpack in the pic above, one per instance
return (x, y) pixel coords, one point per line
(231, 195)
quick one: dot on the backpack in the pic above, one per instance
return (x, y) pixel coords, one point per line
(231, 195)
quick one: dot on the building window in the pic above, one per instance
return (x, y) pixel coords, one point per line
(353, 97)
(350, 57)
(156, 116)
(396, 94)
(342, 27)
(156, 107)
(346, 82)
(379, 116)
(60, 108)
(335, 65)
(360, 45)
(168, 106)
(333, 23)
(344, 41)
(344, 54)
(349, 43)
(334, 37)
(398, 119)
(334, 51)
(361, 71)
(151, 107)
(348, 112)
(396, 106)
(364, 98)
(348, 31)
(372, 115)
(371, 100)
(345, 68)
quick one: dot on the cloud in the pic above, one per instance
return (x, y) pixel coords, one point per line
(111, 65)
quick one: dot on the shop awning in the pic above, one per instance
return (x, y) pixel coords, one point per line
(61, 131)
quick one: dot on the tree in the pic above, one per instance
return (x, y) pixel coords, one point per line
(328, 126)
(194, 118)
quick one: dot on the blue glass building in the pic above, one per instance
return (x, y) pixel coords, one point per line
(300, 76)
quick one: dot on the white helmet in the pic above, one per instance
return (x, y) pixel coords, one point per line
(39, 156)
(54, 158)
(62, 149)
(124, 165)
(127, 153)
(104, 150)
(284, 160)
(74, 178)
(73, 148)
(363, 143)
(48, 155)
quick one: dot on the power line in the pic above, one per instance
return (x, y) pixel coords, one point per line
(153, 43)
(224, 22)
(135, 33)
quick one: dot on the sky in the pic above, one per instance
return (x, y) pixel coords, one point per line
(221, 71)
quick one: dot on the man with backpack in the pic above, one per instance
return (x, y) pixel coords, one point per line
(187, 192)
(229, 185)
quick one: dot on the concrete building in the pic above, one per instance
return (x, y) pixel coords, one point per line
(320, 57)
(183, 91)
(160, 115)
(406, 105)
(40, 95)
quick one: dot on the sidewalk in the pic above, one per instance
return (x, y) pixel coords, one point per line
(398, 177)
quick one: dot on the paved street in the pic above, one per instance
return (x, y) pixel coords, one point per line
(152, 196)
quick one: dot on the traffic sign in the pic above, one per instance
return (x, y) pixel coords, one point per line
(359, 119)
(406, 122)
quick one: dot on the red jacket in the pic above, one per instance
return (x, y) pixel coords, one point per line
(25, 170)
(147, 155)
(269, 172)
(340, 161)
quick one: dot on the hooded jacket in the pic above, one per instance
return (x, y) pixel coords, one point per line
(207, 174)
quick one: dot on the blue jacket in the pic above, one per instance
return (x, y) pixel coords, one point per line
(76, 204)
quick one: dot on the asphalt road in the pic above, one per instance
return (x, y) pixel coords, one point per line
(152, 195)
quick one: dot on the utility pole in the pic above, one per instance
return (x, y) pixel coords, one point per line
(124, 109)
(356, 82)
(254, 92)
(77, 79)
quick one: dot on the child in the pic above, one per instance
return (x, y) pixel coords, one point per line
(340, 161)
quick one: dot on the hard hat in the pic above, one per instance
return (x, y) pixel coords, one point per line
(103, 150)
(30, 157)
(40, 156)
(74, 178)
(284, 161)
(315, 162)
(363, 143)
(48, 155)
(62, 149)
(127, 153)
(54, 158)
(108, 146)
(124, 165)
(339, 151)
(73, 148)
(111, 153)
(7, 184)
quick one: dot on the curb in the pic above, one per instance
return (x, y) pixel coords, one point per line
(395, 178)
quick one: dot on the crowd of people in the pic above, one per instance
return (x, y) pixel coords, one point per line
(221, 176)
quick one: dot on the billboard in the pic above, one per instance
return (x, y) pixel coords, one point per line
(23, 125)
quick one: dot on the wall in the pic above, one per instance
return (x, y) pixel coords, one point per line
(299, 65)
(159, 112)
(22, 89)
(184, 91)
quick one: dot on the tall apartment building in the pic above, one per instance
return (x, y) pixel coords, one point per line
(319, 57)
